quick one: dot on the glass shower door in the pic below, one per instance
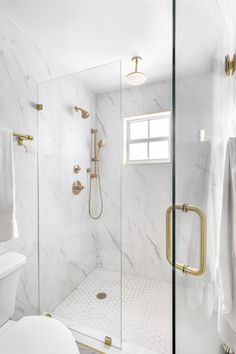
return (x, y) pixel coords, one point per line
(203, 120)
(79, 208)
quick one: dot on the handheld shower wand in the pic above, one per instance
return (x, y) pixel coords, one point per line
(95, 173)
(101, 144)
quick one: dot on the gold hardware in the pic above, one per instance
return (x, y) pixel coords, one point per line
(230, 65)
(79, 344)
(101, 296)
(136, 60)
(39, 106)
(94, 172)
(108, 341)
(77, 187)
(77, 168)
(95, 158)
(202, 244)
(136, 77)
(84, 113)
(22, 137)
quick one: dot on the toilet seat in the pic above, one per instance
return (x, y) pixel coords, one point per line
(37, 335)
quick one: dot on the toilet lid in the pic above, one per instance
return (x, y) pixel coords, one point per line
(38, 335)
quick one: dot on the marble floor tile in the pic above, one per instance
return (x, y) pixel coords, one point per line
(146, 308)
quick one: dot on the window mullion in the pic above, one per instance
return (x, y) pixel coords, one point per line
(136, 141)
(147, 140)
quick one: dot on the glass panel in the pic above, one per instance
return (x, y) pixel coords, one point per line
(159, 127)
(138, 151)
(159, 150)
(80, 238)
(204, 103)
(138, 130)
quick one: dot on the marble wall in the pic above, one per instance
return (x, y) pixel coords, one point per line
(142, 192)
(68, 249)
(206, 102)
(18, 96)
(202, 101)
(68, 246)
(108, 227)
(146, 189)
(71, 244)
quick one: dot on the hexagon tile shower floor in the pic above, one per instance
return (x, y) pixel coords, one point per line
(146, 317)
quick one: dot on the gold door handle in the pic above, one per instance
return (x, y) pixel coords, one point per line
(202, 241)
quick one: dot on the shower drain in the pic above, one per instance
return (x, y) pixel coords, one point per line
(101, 296)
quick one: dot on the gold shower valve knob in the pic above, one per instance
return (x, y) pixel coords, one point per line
(77, 168)
(77, 187)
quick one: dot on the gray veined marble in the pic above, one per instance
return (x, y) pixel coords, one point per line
(18, 95)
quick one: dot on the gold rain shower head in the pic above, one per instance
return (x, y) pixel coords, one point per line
(136, 77)
(84, 113)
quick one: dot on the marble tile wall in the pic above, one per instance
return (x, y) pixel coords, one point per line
(18, 95)
(64, 139)
(202, 101)
(67, 241)
(108, 227)
(206, 102)
(145, 189)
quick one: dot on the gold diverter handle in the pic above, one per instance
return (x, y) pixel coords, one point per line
(202, 241)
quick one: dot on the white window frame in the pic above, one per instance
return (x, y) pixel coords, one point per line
(127, 141)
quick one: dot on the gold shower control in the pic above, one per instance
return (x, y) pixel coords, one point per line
(77, 187)
(77, 168)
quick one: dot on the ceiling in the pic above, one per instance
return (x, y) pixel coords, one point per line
(75, 35)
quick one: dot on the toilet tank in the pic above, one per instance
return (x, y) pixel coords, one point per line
(10, 267)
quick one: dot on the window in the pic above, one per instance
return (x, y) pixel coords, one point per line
(147, 138)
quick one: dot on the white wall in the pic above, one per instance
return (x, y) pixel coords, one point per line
(67, 241)
(18, 95)
(202, 100)
(67, 250)
(206, 102)
(146, 189)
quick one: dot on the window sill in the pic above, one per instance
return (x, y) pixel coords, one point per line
(147, 162)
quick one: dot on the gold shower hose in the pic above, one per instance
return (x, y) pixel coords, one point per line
(100, 193)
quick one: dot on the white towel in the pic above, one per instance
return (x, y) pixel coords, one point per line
(8, 225)
(226, 250)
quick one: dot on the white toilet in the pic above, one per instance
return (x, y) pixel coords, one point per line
(31, 334)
